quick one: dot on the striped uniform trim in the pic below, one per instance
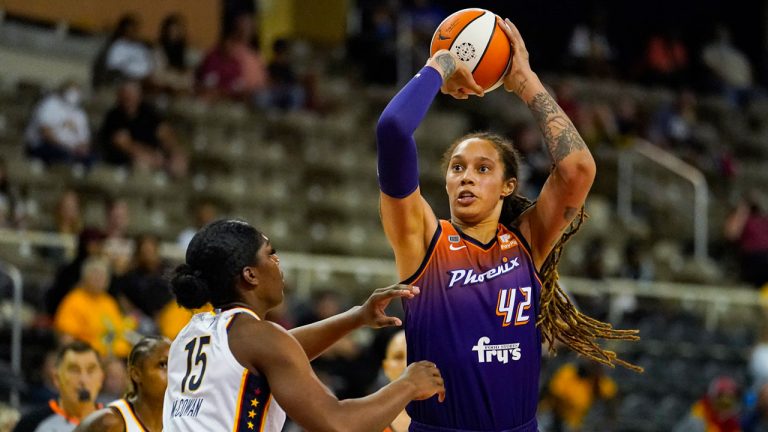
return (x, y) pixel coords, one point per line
(253, 403)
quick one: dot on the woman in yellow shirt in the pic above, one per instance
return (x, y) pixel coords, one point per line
(90, 314)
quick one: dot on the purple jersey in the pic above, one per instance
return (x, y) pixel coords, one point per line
(476, 319)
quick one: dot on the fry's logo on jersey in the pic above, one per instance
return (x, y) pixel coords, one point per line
(469, 277)
(501, 353)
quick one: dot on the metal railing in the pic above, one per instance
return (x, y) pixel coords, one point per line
(676, 166)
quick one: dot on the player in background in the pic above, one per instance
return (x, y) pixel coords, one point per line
(141, 408)
(231, 370)
(488, 277)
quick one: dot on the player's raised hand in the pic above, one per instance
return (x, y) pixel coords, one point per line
(457, 78)
(373, 312)
(519, 69)
(426, 377)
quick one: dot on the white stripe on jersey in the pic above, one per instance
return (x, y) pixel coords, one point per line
(208, 389)
(132, 423)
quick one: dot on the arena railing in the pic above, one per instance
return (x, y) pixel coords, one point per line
(627, 178)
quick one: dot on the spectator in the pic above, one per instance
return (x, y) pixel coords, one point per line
(171, 72)
(118, 247)
(233, 69)
(284, 91)
(145, 285)
(536, 161)
(393, 366)
(128, 56)
(747, 228)
(573, 391)
(11, 212)
(666, 58)
(589, 49)
(755, 418)
(717, 411)
(758, 361)
(205, 211)
(729, 68)
(90, 314)
(134, 134)
(674, 128)
(78, 379)
(59, 131)
(68, 218)
(90, 243)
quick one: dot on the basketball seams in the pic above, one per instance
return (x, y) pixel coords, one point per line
(456, 38)
(487, 44)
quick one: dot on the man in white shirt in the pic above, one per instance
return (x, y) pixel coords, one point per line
(59, 131)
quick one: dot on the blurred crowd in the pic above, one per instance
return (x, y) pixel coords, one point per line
(114, 289)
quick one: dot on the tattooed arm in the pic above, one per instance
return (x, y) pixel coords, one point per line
(574, 169)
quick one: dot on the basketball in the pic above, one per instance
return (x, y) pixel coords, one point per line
(475, 37)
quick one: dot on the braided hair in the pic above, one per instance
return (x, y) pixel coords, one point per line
(558, 319)
(138, 354)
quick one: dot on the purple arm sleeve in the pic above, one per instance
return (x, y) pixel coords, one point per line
(398, 163)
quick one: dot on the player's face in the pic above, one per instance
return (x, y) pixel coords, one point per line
(77, 374)
(153, 371)
(395, 362)
(270, 275)
(475, 181)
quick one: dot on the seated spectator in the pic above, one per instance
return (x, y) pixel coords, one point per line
(78, 379)
(145, 286)
(573, 391)
(134, 134)
(758, 360)
(118, 246)
(284, 91)
(88, 313)
(637, 264)
(171, 72)
(205, 212)
(128, 56)
(59, 131)
(393, 366)
(589, 49)
(666, 59)
(68, 218)
(11, 214)
(233, 69)
(755, 418)
(718, 410)
(90, 243)
(747, 228)
(730, 69)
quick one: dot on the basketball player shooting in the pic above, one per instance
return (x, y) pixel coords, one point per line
(488, 276)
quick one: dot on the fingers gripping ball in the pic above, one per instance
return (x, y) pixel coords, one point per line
(475, 37)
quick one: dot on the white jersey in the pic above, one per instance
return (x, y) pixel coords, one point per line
(208, 390)
(131, 420)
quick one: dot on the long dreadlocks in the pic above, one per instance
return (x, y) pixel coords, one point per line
(559, 319)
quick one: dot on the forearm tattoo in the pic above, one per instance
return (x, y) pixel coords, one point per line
(561, 136)
(447, 64)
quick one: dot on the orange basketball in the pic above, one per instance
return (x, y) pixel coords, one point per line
(475, 37)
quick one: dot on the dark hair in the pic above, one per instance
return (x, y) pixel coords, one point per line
(215, 257)
(126, 22)
(138, 354)
(558, 317)
(76, 346)
(175, 50)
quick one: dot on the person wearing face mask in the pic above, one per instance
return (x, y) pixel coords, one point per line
(78, 379)
(59, 132)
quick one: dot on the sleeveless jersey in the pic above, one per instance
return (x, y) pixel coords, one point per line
(476, 320)
(126, 411)
(208, 390)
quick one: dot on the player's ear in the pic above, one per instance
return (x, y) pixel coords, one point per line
(250, 275)
(509, 187)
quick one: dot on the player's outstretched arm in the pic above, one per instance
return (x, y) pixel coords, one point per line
(306, 400)
(574, 169)
(317, 337)
(103, 420)
(408, 220)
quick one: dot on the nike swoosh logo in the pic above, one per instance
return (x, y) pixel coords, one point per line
(441, 37)
(457, 248)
